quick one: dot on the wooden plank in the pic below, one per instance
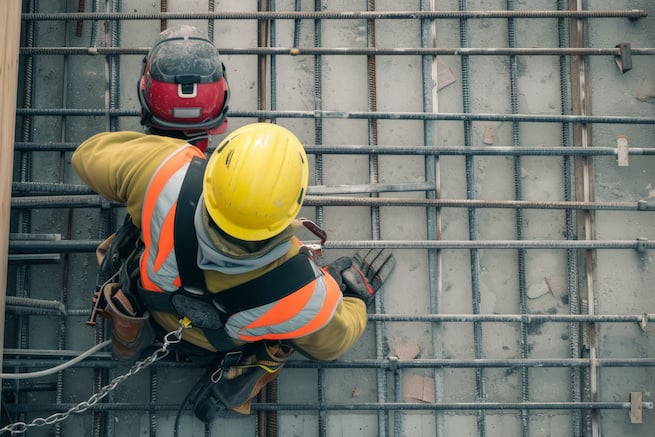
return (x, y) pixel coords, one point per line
(9, 42)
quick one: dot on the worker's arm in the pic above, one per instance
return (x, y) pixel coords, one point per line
(339, 335)
(119, 165)
(358, 278)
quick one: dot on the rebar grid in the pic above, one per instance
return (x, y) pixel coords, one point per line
(27, 200)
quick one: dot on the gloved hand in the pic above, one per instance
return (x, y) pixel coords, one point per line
(362, 275)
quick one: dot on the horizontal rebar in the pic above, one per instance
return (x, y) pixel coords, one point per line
(48, 187)
(392, 364)
(472, 151)
(94, 200)
(364, 406)
(640, 205)
(642, 319)
(491, 244)
(350, 51)
(456, 406)
(76, 246)
(404, 150)
(22, 358)
(63, 201)
(322, 190)
(363, 115)
(329, 15)
(51, 305)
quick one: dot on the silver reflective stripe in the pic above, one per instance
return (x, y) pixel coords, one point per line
(236, 325)
(167, 272)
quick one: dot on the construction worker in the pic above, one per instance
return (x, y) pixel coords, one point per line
(183, 88)
(218, 247)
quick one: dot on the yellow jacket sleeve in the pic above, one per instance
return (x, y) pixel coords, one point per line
(119, 165)
(338, 336)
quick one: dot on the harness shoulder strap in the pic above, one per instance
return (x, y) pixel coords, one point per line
(185, 238)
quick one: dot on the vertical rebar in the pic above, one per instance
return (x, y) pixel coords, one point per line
(262, 40)
(153, 399)
(571, 264)
(210, 22)
(318, 174)
(433, 215)
(102, 426)
(273, 43)
(584, 191)
(318, 106)
(63, 297)
(472, 221)
(297, 6)
(518, 195)
(271, 387)
(93, 41)
(25, 174)
(373, 162)
(163, 24)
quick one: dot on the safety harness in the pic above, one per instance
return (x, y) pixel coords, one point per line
(206, 310)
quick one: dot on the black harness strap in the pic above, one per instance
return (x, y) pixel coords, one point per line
(290, 276)
(185, 237)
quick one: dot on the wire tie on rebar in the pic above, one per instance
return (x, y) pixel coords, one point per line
(644, 321)
(641, 244)
(393, 362)
(624, 58)
(636, 407)
(92, 51)
(622, 151)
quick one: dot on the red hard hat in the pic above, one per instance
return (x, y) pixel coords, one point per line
(183, 85)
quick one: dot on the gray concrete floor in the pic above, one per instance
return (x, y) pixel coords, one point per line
(455, 376)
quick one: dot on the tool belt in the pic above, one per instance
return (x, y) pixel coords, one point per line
(113, 299)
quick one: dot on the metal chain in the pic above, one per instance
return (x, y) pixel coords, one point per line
(172, 337)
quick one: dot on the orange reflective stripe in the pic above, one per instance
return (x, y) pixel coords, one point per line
(285, 308)
(166, 240)
(332, 297)
(157, 184)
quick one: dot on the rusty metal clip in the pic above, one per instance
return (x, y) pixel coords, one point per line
(316, 249)
(624, 58)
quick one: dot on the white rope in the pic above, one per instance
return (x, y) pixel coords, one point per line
(55, 369)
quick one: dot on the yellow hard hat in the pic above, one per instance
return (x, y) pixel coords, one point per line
(255, 181)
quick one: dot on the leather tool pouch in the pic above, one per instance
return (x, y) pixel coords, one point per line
(114, 298)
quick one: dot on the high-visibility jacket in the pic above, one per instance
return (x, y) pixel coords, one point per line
(300, 313)
(120, 165)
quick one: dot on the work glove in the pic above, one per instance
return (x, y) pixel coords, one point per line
(362, 275)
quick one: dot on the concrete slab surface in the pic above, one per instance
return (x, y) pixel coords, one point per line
(522, 300)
